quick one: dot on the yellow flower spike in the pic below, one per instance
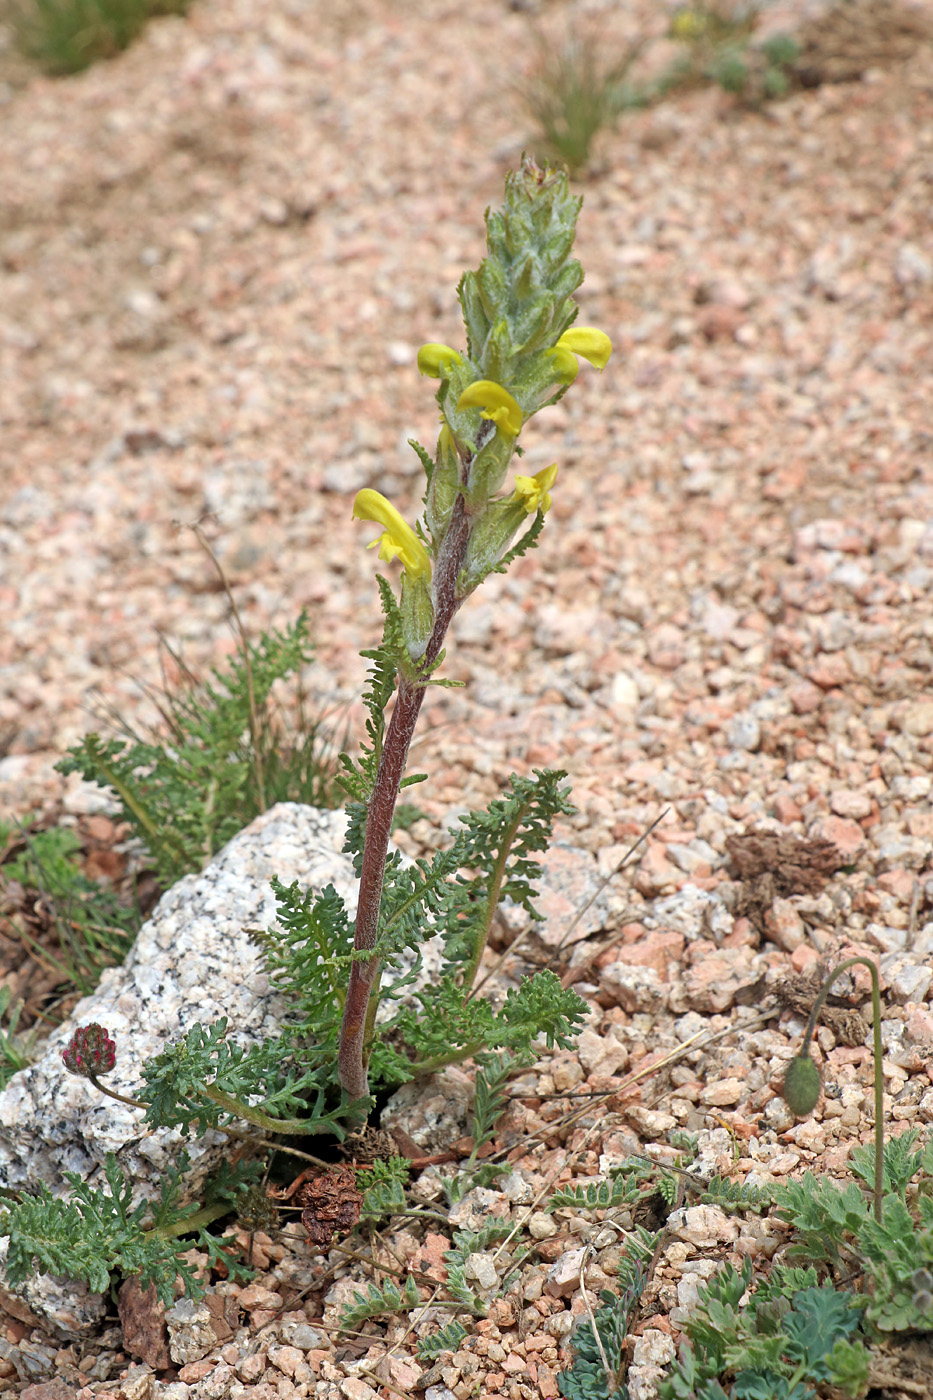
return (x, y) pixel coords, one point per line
(586, 341)
(497, 405)
(398, 539)
(435, 360)
(534, 492)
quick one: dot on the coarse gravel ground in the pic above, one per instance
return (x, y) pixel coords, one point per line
(219, 255)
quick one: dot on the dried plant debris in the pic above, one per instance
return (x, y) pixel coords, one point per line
(851, 37)
(369, 1144)
(331, 1205)
(777, 866)
(799, 991)
(902, 1368)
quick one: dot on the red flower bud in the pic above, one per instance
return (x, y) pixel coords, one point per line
(91, 1051)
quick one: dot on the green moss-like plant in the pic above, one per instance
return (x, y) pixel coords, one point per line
(66, 36)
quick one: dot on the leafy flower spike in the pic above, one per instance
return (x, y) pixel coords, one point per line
(497, 405)
(586, 341)
(398, 539)
(534, 492)
(435, 360)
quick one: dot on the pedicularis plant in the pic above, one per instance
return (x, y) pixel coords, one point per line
(521, 354)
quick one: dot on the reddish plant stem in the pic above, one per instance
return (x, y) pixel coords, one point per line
(364, 972)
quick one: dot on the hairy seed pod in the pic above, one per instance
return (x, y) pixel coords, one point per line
(803, 1085)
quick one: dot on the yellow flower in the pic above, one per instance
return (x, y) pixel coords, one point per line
(497, 405)
(587, 341)
(534, 492)
(688, 24)
(566, 365)
(398, 539)
(436, 360)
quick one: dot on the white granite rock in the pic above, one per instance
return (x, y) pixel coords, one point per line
(193, 960)
(190, 1332)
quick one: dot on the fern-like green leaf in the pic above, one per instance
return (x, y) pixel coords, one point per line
(383, 1186)
(734, 1195)
(900, 1163)
(387, 659)
(178, 1077)
(594, 1195)
(490, 1099)
(526, 542)
(458, 1287)
(377, 1301)
(308, 957)
(97, 1233)
(823, 1214)
(467, 1242)
(424, 457)
(444, 1339)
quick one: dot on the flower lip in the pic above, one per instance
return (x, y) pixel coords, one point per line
(435, 359)
(534, 492)
(398, 539)
(566, 365)
(588, 342)
(496, 403)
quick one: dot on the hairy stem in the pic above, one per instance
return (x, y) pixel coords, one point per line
(456, 1056)
(112, 1093)
(295, 1127)
(877, 1056)
(189, 1223)
(364, 973)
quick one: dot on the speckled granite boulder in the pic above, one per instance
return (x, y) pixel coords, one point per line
(192, 961)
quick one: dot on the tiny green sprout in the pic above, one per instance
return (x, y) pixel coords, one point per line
(803, 1085)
